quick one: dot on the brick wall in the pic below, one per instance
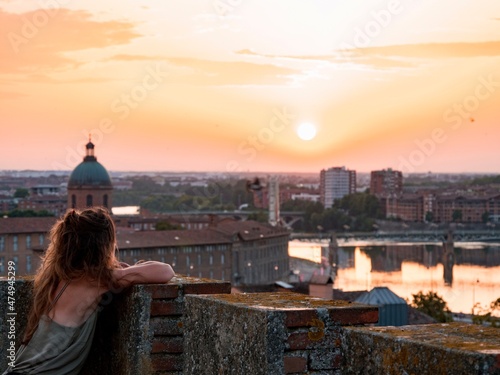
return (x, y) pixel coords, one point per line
(194, 326)
(139, 330)
(167, 322)
(267, 333)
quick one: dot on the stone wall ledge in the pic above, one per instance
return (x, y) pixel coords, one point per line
(450, 348)
(267, 333)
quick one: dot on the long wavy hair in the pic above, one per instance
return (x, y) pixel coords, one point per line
(82, 246)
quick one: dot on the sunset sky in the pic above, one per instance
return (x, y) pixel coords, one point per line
(223, 85)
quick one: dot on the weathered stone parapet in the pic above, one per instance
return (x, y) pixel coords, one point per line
(139, 330)
(437, 349)
(194, 326)
(267, 333)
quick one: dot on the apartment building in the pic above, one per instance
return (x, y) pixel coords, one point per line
(335, 183)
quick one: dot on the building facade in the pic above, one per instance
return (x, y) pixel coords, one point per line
(22, 239)
(443, 208)
(335, 183)
(386, 182)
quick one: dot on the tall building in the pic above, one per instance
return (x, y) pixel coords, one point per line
(335, 183)
(89, 184)
(386, 182)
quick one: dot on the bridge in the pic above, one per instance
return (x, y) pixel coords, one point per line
(406, 236)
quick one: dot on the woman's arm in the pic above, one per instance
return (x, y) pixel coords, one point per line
(150, 272)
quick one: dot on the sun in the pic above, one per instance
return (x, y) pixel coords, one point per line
(306, 131)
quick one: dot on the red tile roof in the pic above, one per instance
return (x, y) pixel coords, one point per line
(170, 238)
(14, 225)
(249, 230)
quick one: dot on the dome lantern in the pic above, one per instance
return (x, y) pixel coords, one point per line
(89, 156)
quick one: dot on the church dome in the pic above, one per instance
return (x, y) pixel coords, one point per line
(89, 172)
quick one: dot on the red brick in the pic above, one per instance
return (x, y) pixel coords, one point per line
(352, 316)
(295, 365)
(337, 361)
(207, 288)
(299, 318)
(168, 344)
(162, 291)
(167, 362)
(162, 308)
(299, 341)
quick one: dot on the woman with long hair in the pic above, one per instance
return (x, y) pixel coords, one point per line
(79, 266)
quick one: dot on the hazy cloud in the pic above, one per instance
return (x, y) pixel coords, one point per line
(37, 40)
(340, 58)
(435, 50)
(10, 95)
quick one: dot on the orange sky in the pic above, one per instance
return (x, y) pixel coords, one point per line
(207, 86)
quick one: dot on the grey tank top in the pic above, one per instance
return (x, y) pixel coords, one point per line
(55, 349)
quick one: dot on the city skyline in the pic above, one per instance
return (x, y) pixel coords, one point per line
(224, 86)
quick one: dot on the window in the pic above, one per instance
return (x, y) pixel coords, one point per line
(2, 243)
(28, 263)
(14, 243)
(28, 241)
(199, 259)
(223, 275)
(174, 262)
(73, 201)
(105, 200)
(222, 259)
(16, 262)
(2, 265)
(41, 238)
(90, 200)
(211, 259)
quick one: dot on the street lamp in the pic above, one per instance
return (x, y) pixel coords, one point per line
(474, 296)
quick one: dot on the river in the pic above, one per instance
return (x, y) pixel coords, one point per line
(472, 277)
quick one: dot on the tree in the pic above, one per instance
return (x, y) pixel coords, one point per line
(488, 316)
(485, 217)
(21, 193)
(429, 216)
(456, 216)
(432, 305)
(260, 216)
(165, 225)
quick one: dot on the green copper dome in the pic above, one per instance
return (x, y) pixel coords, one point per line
(89, 172)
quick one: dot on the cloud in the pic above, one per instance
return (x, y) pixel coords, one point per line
(38, 40)
(10, 95)
(126, 57)
(208, 72)
(339, 58)
(434, 50)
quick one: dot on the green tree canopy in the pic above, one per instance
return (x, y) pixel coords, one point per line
(21, 193)
(433, 305)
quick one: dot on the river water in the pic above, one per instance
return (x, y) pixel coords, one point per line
(472, 272)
